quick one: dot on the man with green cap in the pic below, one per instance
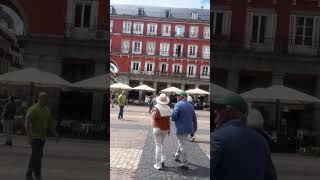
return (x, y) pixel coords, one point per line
(185, 120)
(237, 151)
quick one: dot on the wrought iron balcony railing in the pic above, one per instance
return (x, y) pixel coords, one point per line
(84, 33)
(291, 47)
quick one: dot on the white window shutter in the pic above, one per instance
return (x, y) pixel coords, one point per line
(94, 13)
(248, 28)
(292, 30)
(148, 28)
(316, 29)
(142, 28)
(271, 30)
(226, 22)
(155, 29)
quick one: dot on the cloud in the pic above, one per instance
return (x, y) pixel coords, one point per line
(167, 3)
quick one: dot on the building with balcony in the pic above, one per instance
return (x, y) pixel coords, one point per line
(10, 53)
(160, 47)
(258, 43)
(68, 38)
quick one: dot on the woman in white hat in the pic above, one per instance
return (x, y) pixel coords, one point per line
(161, 114)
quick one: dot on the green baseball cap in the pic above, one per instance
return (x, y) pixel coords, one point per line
(233, 100)
(182, 93)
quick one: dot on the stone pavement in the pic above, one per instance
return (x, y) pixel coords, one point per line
(132, 143)
(296, 167)
(70, 159)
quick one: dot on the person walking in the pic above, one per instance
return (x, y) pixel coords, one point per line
(237, 151)
(122, 103)
(185, 120)
(190, 100)
(38, 122)
(161, 114)
(150, 103)
(113, 98)
(7, 116)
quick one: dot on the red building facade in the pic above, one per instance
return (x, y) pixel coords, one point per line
(259, 43)
(68, 38)
(159, 50)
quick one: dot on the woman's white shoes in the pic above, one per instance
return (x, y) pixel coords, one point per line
(158, 166)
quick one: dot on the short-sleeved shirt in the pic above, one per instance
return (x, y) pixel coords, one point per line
(39, 117)
(122, 100)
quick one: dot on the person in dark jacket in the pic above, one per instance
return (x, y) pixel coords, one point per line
(8, 119)
(237, 151)
(185, 120)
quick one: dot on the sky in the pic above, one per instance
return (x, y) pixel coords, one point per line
(167, 3)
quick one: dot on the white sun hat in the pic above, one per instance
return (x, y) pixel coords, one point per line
(162, 99)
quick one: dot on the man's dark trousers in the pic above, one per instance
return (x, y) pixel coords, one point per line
(36, 157)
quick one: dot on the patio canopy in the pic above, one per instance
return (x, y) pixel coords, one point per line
(35, 77)
(95, 83)
(218, 91)
(171, 90)
(120, 86)
(197, 91)
(281, 93)
(144, 87)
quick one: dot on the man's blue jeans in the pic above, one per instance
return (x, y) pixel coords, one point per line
(120, 116)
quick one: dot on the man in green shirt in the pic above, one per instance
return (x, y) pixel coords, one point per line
(122, 103)
(38, 122)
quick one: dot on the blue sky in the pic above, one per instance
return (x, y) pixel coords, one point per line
(167, 3)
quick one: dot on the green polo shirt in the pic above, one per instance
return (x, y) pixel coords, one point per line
(39, 117)
(122, 100)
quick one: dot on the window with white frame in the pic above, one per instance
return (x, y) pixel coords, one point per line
(164, 49)
(111, 25)
(258, 29)
(222, 22)
(206, 32)
(152, 29)
(149, 66)
(126, 27)
(135, 67)
(163, 67)
(195, 16)
(138, 28)
(192, 51)
(177, 68)
(136, 47)
(166, 30)
(177, 50)
(191, 70)
(205, 71)
(179, 30)
(304, 30)
(125, 45)
(194, 31)
(206, 52)
(83, 14)
(151, 48)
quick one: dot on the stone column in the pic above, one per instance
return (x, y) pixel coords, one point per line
(183, 86)
(140, 92)
(169, 85)
(97, 106)
(155, 83)
(196, 86)
(233, 80)
(277, 78)
(315, 121)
